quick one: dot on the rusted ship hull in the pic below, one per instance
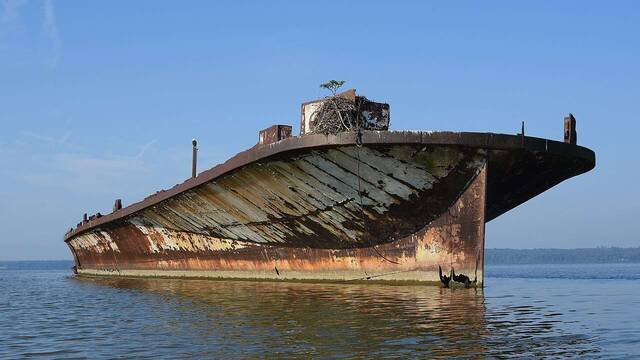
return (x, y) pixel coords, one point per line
(390, 206)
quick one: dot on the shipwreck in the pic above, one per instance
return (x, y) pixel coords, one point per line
(346, 200)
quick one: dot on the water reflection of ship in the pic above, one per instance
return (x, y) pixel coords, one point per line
(356, 319)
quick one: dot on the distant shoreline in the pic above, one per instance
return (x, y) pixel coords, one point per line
(36, 265)
(601, 255)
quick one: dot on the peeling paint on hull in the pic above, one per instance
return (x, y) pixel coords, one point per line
(455, 240)
(388, 210)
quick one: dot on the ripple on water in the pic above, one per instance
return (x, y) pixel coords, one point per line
(53, 315)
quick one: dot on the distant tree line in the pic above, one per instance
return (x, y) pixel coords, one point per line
(562, 256)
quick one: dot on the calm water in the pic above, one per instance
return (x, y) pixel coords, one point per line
(524, 311)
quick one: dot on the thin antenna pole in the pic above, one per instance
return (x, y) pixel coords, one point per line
(194, 162)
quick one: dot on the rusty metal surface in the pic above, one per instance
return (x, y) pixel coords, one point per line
(376, 115)
(570, 133)
(274, 134)
(323, 207)
(334, 198)
(508, 187)
(455, 239)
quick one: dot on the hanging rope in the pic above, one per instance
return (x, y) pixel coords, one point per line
(362, 215)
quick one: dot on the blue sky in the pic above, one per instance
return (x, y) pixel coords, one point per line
(100, 100)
